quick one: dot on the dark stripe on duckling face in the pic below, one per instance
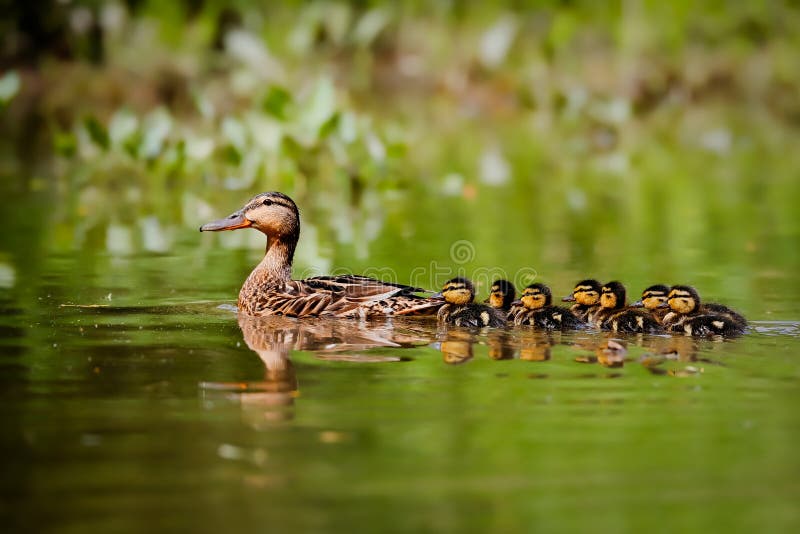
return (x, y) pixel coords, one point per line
(683, 299)
(654, 296)
(458, 291)
(586, 293)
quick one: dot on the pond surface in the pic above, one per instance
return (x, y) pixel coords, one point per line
(135, 399)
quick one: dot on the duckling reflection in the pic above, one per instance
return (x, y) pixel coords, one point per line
(501, 345)
(535, 346)
(457, 346)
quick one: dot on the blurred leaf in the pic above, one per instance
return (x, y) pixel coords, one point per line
(10, 84)
(562, 30)
(97, 132)
(329, 126)
(65, 143)
(155, 129)
(276, 102)
(369, 26)
(122, 127)
(319, 108)
(235, 133)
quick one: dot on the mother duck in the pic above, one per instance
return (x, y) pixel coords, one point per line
(270, 290)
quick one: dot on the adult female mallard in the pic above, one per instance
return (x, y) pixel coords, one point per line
(270, 290)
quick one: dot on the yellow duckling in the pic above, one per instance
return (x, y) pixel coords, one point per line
(270, 290)
(690, 316)
(460, 310)
(614, 315)
(652, 299)
(535, 308)
(586, 296)
(501, 295)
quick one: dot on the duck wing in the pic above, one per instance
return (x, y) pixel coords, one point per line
(344, 296)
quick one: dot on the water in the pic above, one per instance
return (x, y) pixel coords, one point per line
(134, 398)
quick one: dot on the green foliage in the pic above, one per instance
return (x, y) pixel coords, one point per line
(10, 85)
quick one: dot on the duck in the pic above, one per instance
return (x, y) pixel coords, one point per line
(501, 295)
(690, 316)
(270, 289)
(586, 296)
(534, 308)
(461, 310)
(652, 299)
(615, 315)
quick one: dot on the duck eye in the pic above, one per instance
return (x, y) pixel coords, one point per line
(267, 202)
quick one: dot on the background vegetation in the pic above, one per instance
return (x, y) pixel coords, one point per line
(639, 139)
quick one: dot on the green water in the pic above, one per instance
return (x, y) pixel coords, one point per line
(133, 399)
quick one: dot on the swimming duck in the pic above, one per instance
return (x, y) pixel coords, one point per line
(501, 295)
(652, 299)
(586, 296)
(690, 316)
(614, 315)
(270, 290)
(535, 308)
(460, 310)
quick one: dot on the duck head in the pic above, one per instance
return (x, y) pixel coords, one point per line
(612, 296)
(652, 297)
(586, 293)
(683, 299)
(272, 213)
(536, 296)
(501, 295)
(458, 291)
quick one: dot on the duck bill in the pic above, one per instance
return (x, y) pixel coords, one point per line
(663, 305)
(517, 302)
(637, 304)
(232, 222)
(570, 298)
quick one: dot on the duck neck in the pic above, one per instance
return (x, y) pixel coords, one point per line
(276, 266)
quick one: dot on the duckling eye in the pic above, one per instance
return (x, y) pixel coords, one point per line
(267, 202)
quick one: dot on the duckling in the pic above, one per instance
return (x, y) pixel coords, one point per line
(652, 299)
(690, 316)
(614, 315)
(460, 310)
(586, 296)
(501, 295)
(535, 308)
(270, 289)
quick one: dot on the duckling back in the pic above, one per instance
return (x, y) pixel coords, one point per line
(549, 318)
(472, 315)
(633, 321)
(708, 325)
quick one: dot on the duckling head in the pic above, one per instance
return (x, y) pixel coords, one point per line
(536, 296)
(272, 213)
(586, 293)
(502, 294)
(458, 291)
(683, 299)
(652, 297)
(612, 295)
